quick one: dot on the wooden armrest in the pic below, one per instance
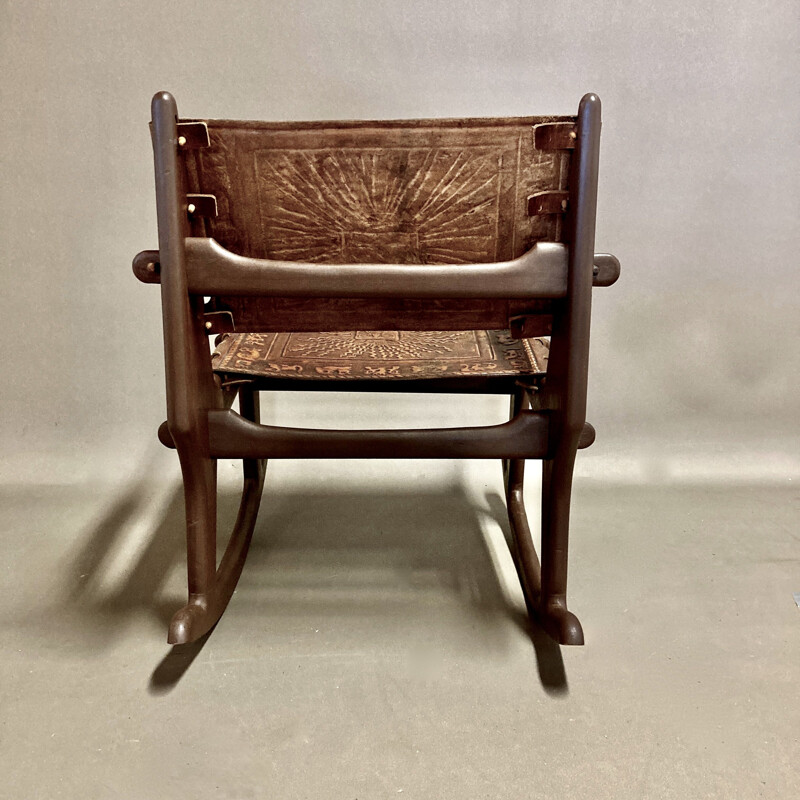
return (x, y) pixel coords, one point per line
(211, 269)
(147, 268)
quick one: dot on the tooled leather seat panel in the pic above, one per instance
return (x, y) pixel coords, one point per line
(382, 355)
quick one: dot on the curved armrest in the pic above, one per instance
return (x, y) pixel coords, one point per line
(541, 272)
(147, 269)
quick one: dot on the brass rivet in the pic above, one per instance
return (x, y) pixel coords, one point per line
(191, 208)
(563, 205)
(181, 141)
(573, 135)
(208, 326)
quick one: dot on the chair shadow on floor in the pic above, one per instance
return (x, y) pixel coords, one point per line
(144, 572)
(549, 661)
(394, 556)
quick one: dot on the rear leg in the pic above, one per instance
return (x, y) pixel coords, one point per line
(210, 588)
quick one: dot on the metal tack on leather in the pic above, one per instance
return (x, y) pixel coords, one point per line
(192, 135)
(554, 136)
(201, 205)
(547, 203)
(219, 322)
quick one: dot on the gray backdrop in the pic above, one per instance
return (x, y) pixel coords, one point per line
(695, 362)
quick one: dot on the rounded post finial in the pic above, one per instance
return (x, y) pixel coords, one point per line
(590, 104)
(161, 102)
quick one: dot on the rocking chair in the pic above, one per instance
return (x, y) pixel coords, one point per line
(413, 256)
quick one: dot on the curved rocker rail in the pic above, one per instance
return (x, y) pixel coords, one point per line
(206, 605)
(203, 610)
(559, 623)
(232, 435)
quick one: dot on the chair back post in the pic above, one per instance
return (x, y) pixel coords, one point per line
(189, 381)
(568, 366)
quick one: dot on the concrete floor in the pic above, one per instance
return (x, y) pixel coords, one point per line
(377, 646)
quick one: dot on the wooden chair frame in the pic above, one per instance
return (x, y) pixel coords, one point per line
(548, 424)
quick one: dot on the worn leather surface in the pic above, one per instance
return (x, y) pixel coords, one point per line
(409, 191)
(370, 355)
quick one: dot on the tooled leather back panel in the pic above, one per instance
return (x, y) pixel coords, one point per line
(412, 191)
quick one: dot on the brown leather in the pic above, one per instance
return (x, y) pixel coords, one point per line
(410, 191)
(385, 355)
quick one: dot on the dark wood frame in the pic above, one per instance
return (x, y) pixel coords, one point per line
(548, 419)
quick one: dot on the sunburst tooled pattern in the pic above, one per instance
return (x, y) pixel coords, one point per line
(403, 205)
(382, 345)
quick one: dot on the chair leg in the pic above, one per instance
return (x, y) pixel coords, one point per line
(211, 587)
(543, 586)
(523, 551)
(250, 408)
(519, 401)
(560, 623)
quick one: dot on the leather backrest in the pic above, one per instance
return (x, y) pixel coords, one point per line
(410, 191)
(446, 191)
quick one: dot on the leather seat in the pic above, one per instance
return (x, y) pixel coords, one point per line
(380, 355)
